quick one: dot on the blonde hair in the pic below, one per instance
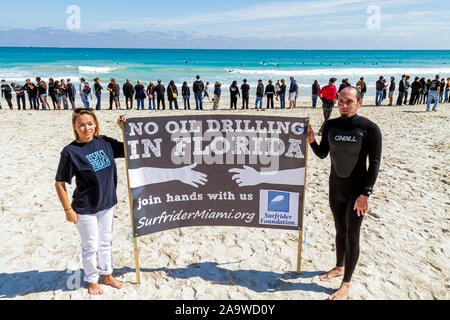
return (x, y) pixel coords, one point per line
(75, 115)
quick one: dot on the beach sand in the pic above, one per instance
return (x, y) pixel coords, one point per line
(405, 243)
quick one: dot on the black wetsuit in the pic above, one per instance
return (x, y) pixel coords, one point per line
(350, 142)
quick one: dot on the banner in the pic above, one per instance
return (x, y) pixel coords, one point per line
(216, 170)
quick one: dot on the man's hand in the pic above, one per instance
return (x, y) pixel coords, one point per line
(310, 135)
(361, 205)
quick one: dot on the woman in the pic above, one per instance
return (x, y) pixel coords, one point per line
(57, 94)
(139, 90)
(98, 93)
(270, 91)
(172, 94)
(234, 93)
(52, 92)
(63, 93)
(447, 89)
(90, 158)
(42, 93)
(186, 93)
(151, 96)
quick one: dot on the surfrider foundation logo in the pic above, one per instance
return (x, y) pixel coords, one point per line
(278, 208)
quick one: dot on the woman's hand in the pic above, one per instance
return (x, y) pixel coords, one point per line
(71, 216)
(310, 135)
(122, 118)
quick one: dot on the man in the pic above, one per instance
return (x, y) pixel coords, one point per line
(259, 95)
(328, 96)
(245, 89)
(85, 92)
(391, 91)
(282, 93)
(433, 93)
(114, 93)
(269, 92)
(379, 85)
(20, 95)
(416, 87)
(198, 87)
(401, 90)
(6, 93)
(293, 90)
(29, 88)
(128, 91)
(423, 84)
(350, 140)
(442, 90)
(160, 89)
(71, 93)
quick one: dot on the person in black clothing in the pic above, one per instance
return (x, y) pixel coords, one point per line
(416, 87)
(20, 94)
(140, 95)
(128, 91)
(259, 95)
(29, 88)
(71, 93)
(245, 89)
(391, 91)
(269, 92)
(315, 91)
(186, 94)
(52, 91)
(282, 94)
(160, 89)
(7, 93)
(198, 87)
(114, 92)
(234, 93)
(401, 90)
(98, 93)
(172, 94)
(350, 140)
(423, 83)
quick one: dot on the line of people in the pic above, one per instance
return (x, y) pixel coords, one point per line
(63, 92)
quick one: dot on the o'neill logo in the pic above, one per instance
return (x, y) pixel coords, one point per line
(345, 138)
(278, 208)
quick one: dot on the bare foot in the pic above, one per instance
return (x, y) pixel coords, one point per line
(333, 273)
(343, 293)
(94, 289)
(110, 281)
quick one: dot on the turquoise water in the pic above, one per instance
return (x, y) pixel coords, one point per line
(17, 64)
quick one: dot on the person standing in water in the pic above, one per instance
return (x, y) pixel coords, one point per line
(350, 140)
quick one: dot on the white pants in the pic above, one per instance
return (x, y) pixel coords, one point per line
(96, 240)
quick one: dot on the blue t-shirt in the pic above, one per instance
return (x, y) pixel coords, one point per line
(95, 172)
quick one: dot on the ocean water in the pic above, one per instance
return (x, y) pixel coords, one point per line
(17, 64)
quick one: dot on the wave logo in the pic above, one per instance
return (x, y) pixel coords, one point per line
(278, 201)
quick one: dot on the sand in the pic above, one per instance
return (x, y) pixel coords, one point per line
(405, 243)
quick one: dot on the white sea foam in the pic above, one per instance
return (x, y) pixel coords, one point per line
(343, 72)
(96, 70)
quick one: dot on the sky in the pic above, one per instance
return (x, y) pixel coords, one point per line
(230, 24)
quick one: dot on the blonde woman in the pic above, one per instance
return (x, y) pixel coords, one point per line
(90, 158)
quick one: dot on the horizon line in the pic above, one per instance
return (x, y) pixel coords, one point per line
(225, 49)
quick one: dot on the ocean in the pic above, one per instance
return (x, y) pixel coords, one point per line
(17, 64)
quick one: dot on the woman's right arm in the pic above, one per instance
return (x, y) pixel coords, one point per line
(71, 215)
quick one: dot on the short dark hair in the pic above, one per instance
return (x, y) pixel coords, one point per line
(198, 77)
